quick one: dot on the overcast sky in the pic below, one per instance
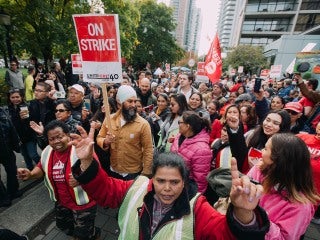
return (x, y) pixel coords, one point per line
(210, 14)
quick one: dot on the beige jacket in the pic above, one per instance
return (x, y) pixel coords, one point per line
(132, 150)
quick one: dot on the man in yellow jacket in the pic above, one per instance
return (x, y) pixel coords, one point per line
(129, 140)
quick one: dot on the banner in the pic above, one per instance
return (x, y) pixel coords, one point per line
(76, 64)
(275, 71)
(213, 62)
(99, 44)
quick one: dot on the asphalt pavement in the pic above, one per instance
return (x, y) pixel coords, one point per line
(33, 215)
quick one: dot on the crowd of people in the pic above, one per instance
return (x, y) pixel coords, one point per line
(163, 136)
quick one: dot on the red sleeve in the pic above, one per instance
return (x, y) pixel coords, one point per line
(305, 102)
(107, 191)
(210, 224)
(215, 130)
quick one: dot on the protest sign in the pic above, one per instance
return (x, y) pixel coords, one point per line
(76, 64)
(201, 73)
(99, 45)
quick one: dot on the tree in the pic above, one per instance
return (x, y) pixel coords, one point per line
(155, 44)
(129, 18)
(44, 27)
(250, 57)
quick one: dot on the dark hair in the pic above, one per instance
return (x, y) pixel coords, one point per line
(164, 95)
(283, 101)
(227, 109)
(182, 102)
(196, 122)
(200, 96)
(252, 116)
(53, 125)
(313, 82)
(259, 138)
(66, 104)
(46, 86)
(30, 69)
(172, 160)
(14, 90)
(291, 168)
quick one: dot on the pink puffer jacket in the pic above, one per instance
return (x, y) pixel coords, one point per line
(197, 155)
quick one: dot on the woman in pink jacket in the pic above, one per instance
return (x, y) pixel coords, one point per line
(192, 143)
(289, 193)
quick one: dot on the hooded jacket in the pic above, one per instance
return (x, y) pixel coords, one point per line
(197, 154)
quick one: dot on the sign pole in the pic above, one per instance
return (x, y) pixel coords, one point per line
(106, 108)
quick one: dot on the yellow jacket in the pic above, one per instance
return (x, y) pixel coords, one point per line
(132, 150)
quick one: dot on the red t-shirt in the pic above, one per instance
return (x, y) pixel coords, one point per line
(57, 169)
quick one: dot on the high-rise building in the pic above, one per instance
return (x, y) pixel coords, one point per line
(188, 20)
(260, 22)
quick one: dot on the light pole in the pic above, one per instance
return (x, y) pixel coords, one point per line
(6, 21)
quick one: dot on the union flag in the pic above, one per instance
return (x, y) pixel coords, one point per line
(213, 62)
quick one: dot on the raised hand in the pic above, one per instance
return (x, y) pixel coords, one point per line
(38, 128)
(233, 122)
(244, 195)
(84, 145)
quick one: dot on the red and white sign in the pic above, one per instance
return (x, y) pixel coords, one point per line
(76, 63)
(99, 45)
(275, 71)
(201, 73)
(264, 73)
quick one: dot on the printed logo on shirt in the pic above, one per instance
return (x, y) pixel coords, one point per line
(58, 172)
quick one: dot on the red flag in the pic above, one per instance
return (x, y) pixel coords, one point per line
(213, 63)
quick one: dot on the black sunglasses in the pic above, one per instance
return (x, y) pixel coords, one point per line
(61, 110)
(292, 112)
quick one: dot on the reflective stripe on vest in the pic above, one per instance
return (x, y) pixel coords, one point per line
(182, 228)
(80, 196)
(45, 155)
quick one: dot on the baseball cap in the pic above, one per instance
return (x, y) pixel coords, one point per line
(243, 97)
(77, 87)
(294, 106)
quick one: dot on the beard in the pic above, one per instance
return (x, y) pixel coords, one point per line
(129, 114)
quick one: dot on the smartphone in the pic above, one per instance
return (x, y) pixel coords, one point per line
(86, 104)
(257, 85)
(148, 109)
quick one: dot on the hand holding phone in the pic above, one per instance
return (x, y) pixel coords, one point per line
(257, 85)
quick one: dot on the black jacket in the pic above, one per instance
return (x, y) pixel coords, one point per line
(9, 139)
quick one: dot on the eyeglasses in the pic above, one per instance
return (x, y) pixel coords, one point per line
(61, 110)
(179, 122)
(39, 90)
(292, 112)
(13, 64)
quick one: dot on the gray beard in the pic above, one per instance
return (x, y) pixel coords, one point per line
(129, 115)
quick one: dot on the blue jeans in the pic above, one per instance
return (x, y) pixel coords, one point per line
(30, 153)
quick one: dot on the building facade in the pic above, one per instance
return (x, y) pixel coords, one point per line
(261, 22)
(188, 20)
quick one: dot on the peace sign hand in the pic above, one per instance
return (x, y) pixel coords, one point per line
(244, 195)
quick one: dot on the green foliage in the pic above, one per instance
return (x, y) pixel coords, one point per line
(250, 57)
(129, 18)
(44, 27)
(156, 44)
